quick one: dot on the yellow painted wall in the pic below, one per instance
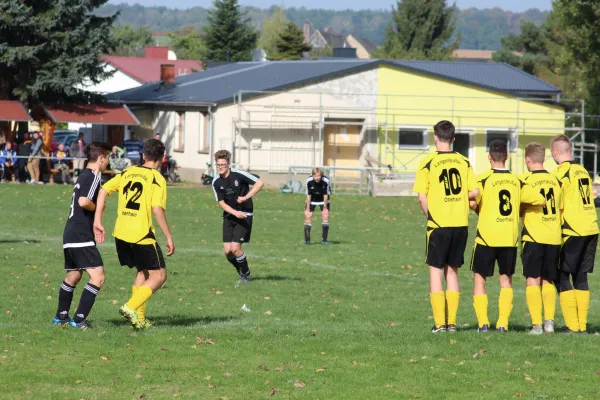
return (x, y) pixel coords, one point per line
(411, 99)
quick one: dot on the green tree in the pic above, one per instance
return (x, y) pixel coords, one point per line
(529, 50)
(130, 40)
(48, 48)
(188, 47)
(290, 43)
(420, 30)
(229, 35)
(272, 29)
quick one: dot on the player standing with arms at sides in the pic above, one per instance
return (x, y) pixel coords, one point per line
(232, 192)
(445, 183)
(580, 236)
(142, 192)
(499, 202)
(318, 193)
(79, 246)
(541, 240)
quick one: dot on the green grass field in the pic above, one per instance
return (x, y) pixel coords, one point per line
(347, 321)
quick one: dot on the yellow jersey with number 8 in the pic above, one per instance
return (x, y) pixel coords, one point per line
(140, 188)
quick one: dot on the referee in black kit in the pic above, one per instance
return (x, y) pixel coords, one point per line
(318, 193)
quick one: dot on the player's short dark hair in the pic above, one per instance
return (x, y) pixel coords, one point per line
(562, 139)
(444, 130)
(536, 152)
(154, 150)
(96, 149)
(223, 155)
(498, 150)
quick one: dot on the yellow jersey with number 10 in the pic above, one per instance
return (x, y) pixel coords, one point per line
(446, 178)
(140, 188)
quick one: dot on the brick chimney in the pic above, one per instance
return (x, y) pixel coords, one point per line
(167, 73)
(306, 31)
(161, 52)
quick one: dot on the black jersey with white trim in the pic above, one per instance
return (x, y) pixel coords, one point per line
(236, 184)
(79, 228)
(317, 190)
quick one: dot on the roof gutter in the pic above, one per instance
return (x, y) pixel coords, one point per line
(163, 103)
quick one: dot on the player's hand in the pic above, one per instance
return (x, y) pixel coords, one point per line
(99, 232)
(241, 215)
(170, 247)
(242, 199)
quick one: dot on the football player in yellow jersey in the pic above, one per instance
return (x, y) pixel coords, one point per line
(580, 236)
(142, 192)
(445, 183)
(541, 240)
(501, 195)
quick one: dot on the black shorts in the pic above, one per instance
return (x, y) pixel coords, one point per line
(540, 260)
(80, 258)
(237, 230)
(485, 257)
(313, 206)
(578, 253)
(141, 256)
(446, 246)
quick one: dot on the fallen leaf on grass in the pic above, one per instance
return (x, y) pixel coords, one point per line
(392, 324)
(104, 358)
(268, 312)
(207, 378)
(529, 379)
(202, 339)
(164, 349)
(528, 363)
(227, 374)
(78, 381)
(212, 386)
(274, 391)
(115, 302)
(478, 354)
(267, 298)
(322, 369)
(354, 362)
(218, 292)
(452, 341)
(299, 384)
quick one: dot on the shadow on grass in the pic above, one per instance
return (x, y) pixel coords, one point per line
(512, 328)
(19, 241)
(276, 278)
(329, 243)
(177, 320)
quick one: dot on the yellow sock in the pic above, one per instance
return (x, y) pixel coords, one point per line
(583, 307)
(549, 300)
(505, 306)
(438, 305)
(534, 303)
(141, 295)
(141, 311)
(452, 300)
(480, 303)
(568, 305)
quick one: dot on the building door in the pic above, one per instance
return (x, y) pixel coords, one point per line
(116, 134)
(342, 147)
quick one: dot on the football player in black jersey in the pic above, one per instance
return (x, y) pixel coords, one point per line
(318, 193)
(233, 193)
(79, 246)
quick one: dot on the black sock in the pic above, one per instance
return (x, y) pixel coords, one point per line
(65, 297)
(88, 297)
(325, 231)
(307, 232)
(234, 262)
(243, 268)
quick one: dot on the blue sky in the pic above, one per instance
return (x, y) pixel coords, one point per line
(511, 5)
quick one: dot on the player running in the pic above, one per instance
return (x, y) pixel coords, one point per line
(142, 192)
(79, 247)
(541, 238)
(580, 236)
(233, 193)
(318, 193)
(498, 205)
(445, 183)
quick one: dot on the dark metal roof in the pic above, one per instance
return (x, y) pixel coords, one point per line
(219, 85)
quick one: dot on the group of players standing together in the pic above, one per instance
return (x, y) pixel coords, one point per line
(559, 235)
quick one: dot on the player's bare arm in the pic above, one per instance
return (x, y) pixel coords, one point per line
(86, 203)
(229, 210)
(161, 219)
(99, 231)
(423, 203)
(258, 185)
(473, 194)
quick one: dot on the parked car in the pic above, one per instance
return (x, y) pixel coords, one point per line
(63, 136)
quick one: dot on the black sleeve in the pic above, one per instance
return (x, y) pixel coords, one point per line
(86, 186)
(219, 195)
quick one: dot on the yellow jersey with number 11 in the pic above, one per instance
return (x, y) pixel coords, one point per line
(140, 188)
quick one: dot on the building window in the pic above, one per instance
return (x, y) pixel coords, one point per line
(180, 131)
(204, 140)
(505, 136)
(409, 138)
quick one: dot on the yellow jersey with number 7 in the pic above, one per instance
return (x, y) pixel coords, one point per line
(139, 188)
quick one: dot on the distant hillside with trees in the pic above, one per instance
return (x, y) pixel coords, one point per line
(478, 29)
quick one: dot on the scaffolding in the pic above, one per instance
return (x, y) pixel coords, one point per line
(273, 130)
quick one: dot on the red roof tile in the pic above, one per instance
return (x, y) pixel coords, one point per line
(105, 114)
(13, 111)
(148, 69)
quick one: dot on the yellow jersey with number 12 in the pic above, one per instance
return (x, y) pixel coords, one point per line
(140, 188)
(446, 178)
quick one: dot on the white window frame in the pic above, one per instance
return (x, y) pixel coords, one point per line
(180, 139)
(204, 134)
(422, 129)
(512, 148)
